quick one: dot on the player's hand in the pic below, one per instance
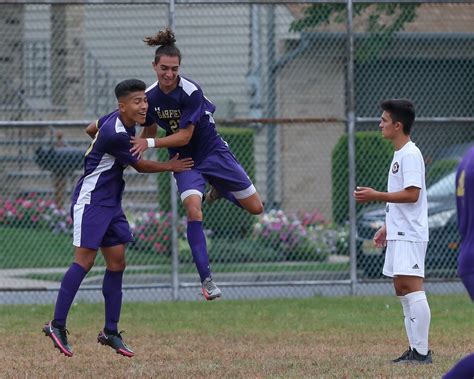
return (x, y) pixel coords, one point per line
(139, 146)
(178, 165)
(365, 194)
(380, 237)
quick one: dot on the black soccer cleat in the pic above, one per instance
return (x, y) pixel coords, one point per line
(59, 337)
(420, 359)
(404, 358)
(115, 341)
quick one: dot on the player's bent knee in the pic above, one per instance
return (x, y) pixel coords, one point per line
(256, 209)
(252, 204)
(194, 214)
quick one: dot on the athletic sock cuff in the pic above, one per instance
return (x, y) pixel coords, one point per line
(404, 302)
(415, 297)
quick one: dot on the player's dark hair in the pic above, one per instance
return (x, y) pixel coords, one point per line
(401, 110)
(166, 42)
(126, 87)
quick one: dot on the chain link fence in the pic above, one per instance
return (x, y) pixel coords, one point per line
(280, 75)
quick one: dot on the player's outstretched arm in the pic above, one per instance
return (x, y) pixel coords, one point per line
(174, 164)
(92, 129)
(367, 194)
(178, 139)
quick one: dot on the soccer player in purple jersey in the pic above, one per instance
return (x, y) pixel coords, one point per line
(464, 369)
(99, 221)
(178, 105)
(465, 213)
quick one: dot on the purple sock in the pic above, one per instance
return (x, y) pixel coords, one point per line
(464, 369)
(112, 291)
(197, 243)
(69, 286)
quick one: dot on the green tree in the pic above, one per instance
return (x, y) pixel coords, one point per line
(383, 20)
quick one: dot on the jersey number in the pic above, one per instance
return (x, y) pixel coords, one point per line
(174, 125)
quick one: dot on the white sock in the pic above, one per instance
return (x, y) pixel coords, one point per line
(406, 319)
(420, 317)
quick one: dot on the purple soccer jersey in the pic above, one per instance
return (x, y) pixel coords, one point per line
(465, 212)
(214, 162)
(185, 105)
(108, 155)
(96, 204)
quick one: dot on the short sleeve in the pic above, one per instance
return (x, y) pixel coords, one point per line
(119, 146)
(412, 168)
(191, 110)
(103, 119)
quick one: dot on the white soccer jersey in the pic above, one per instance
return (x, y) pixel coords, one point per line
(407, 221)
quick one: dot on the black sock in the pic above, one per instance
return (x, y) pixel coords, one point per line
(55, 324)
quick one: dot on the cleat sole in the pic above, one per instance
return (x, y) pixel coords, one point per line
(208, 297)
(57, 346)
(119, 351)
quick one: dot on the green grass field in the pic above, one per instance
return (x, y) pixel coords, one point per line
(316, 337)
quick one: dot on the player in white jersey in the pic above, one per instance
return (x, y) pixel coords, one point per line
(405, 233)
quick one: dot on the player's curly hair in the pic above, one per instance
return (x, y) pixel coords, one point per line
(165, 40)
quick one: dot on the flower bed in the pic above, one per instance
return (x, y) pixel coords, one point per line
(32, 211)
(305, 236)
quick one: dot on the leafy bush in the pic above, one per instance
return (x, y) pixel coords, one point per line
(373, 157)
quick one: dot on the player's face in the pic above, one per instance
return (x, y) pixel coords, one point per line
(134, 106)
(167, 70)
(387, 126)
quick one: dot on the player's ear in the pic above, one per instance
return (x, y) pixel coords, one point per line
(121, 106)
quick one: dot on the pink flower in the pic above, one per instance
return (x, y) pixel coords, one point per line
(159, 248)
(277, 226)
(27, 204)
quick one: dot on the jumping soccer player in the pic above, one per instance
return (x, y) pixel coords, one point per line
(99, 221)
(405, 233)
(178, 105)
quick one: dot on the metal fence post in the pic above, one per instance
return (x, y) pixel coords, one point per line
(174, 199)
(350, 114)
(271, 202)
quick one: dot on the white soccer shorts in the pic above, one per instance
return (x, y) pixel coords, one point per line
(405, 258)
